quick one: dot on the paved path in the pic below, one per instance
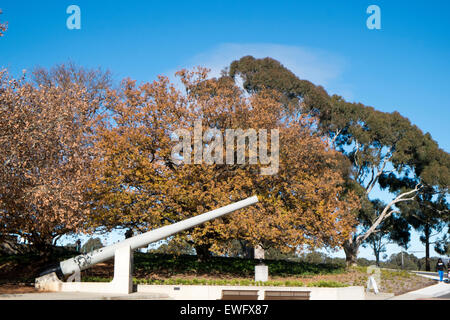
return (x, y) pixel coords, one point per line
(379, 296)
(82, 296)
(445, 296)
(435, 291)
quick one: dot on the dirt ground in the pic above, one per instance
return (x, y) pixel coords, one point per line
(17, 288)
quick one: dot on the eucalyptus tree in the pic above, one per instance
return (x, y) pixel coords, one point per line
(427, 214)
(442, 245)
(388, 152)
(385, 149)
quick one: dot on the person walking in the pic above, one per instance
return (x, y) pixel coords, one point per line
(440, 267)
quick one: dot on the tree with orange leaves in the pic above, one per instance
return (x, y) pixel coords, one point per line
(46, 153)
(140, 184)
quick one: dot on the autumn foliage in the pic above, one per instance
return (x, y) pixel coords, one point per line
(80, 156)
(139, 185)
(45, 132)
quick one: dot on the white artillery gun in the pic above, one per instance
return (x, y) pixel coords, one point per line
(50, 279)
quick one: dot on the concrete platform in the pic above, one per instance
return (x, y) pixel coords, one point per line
(84, 296)
(201, 292)
(431, 292)
(187, 292)
(379, 296)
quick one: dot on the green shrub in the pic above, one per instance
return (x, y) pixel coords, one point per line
(327, 284)
(228, 282)
(225, 265)
(95, 279)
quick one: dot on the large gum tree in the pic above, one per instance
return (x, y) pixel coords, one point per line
(386, 151)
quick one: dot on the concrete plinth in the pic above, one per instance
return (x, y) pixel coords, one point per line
(122, 282)
(261, 273)
(48, 282)
(123, 270)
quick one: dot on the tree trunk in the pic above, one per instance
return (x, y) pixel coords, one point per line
(376, 246)
(427, 248)
(203, 252)
(351, 250)
(247, 250)
(43, 247)
(377, 258)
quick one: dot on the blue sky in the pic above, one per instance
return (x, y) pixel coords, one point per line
(404, 66)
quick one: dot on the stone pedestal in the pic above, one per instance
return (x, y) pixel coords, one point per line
(123, 270)
(122, 282)
(48, 282)
(261, 273)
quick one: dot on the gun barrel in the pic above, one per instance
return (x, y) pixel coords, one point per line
(84, 261)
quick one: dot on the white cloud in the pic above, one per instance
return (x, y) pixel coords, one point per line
(317, 66)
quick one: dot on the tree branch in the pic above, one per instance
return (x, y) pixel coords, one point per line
(379, 173)
(386, 213)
